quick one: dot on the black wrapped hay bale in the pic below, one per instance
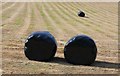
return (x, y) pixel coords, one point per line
(81, 14)
(40, 46)
(80, 50)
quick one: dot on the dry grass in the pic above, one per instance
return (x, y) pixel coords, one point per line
(62, 21)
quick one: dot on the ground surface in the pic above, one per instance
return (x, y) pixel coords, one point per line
(20, 19)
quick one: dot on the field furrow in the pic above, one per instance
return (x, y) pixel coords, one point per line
(86, 22)
(80, 23)
(38, 19)
(26, 24)
(9, 19)
(57, 31)
(111, 31)
(97, 19)
(12, 5)
(100, 18)
(62, 21)
(10, 29)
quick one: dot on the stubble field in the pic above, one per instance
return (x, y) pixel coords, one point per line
(61, 20)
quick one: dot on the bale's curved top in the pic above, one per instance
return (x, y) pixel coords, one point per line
(80, 49)
(41, 46)
(81, 14)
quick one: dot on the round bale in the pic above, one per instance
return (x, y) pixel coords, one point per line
(80, 50)
(40, 46)
(81, 14)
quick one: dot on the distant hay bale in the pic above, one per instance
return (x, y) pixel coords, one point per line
(40, 46)
(80, 50)
(81, 14)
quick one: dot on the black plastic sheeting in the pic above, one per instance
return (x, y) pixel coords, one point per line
(40, 46)
(81, 14)
(80, 50)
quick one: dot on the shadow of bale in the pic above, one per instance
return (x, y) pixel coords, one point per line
(101, 64)
(104, 64)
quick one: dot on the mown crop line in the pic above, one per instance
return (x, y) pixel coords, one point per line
(64, 21)
(12, 5)
(79, 24)
(74, 14)
(56, 21)
(95, 9)
(90, 13)
(19, 20)
(60, 19)
(50, 25)
(73, 18)
(17, 12)
(10, 12)
(15, 24)
(79, 21)
(44, 17)
(29, 30)
(93, 24)
(51, 14)
(86, 10)
(57, 31)
(69, 17)
(27, 22)
(38, 19)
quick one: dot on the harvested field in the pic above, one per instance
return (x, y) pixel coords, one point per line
(60, 19)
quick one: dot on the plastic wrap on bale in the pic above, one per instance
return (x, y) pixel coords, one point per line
(40, 46)
(81, 14)
(80, 50)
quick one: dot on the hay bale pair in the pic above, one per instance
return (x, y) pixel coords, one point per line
(42, 46)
